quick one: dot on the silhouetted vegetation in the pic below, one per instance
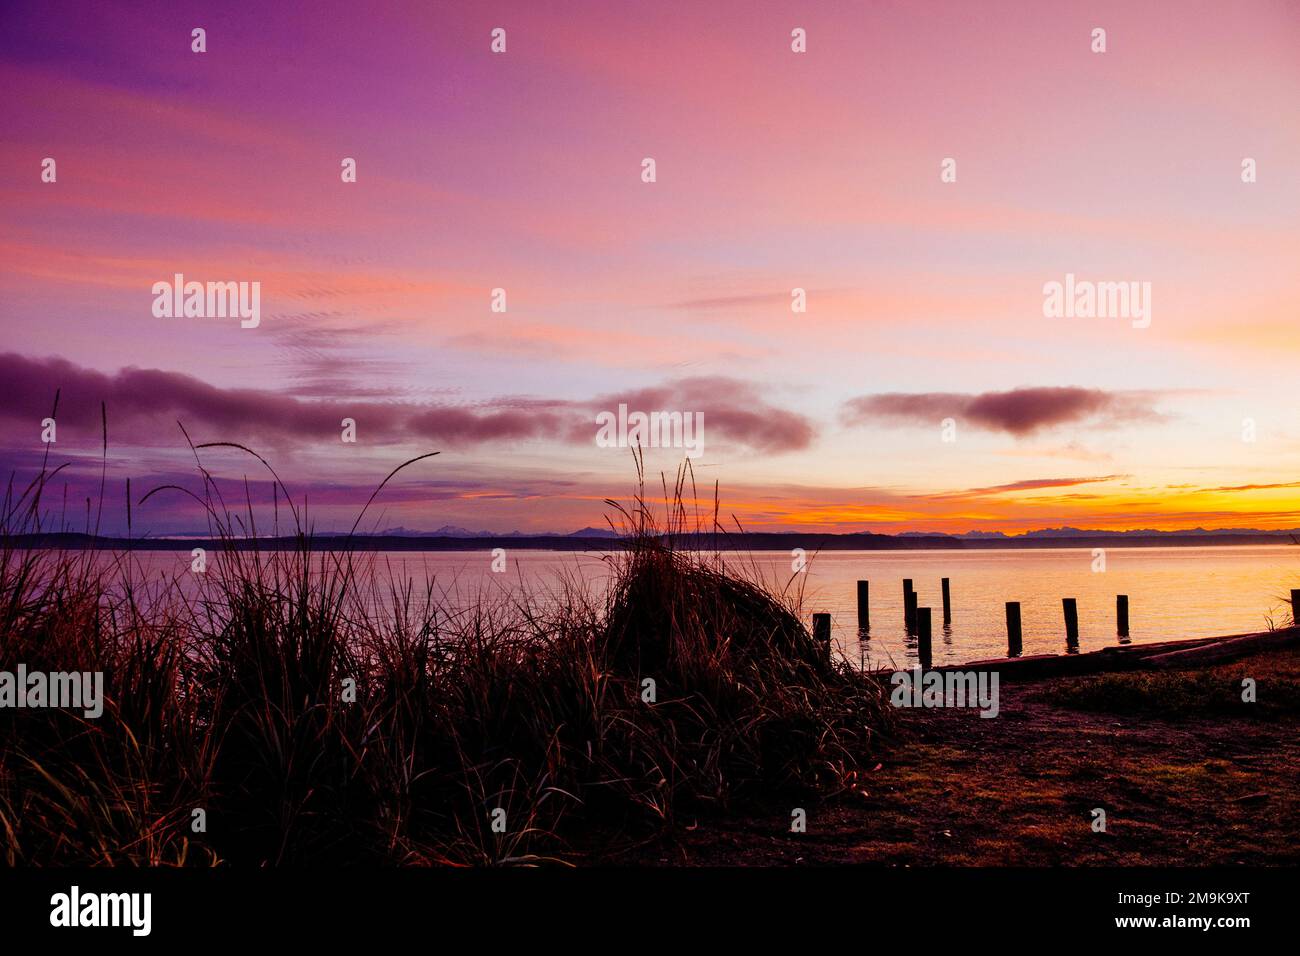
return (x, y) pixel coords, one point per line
(231, 692)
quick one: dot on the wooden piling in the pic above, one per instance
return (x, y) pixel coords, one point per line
(909, 611)
(923, 651)
(864, 606)
(947, 604)
(1014, 643)
(1071, 607)
(1121, 615)
(1295, 607)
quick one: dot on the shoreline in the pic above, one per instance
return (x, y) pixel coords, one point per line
(699, 543)
(1183, 652)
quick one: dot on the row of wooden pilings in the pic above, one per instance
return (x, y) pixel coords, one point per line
(917, 619)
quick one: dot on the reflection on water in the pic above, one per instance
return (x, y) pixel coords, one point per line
(1172, 592)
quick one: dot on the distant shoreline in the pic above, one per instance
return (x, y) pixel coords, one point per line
(758, 541)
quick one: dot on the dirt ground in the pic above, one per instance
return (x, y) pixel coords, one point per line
(1187, 773)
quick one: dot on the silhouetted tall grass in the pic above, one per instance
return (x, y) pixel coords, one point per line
(232, 695)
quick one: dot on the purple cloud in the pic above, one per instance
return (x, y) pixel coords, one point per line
(144, 406)
(1019, 412)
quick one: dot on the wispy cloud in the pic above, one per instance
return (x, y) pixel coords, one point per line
(1030, 484)
(1019, 412)
(1282, 484)
(733, 408)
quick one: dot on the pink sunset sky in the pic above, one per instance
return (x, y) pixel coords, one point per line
(775, 170)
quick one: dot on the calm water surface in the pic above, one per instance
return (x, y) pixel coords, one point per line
(1173, 592)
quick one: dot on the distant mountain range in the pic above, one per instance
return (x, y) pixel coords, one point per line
(455, 531)
(452, 531)
(1083, 533)
(450, 538)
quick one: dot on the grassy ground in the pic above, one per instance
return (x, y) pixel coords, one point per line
(1188, 775)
